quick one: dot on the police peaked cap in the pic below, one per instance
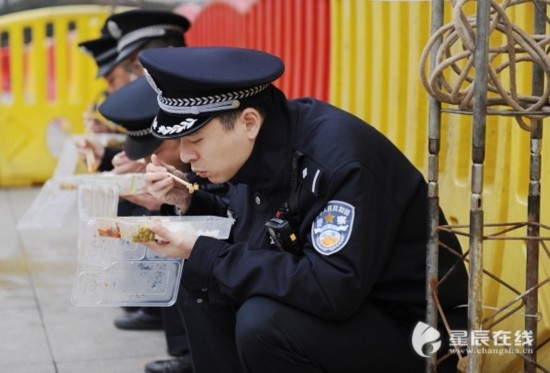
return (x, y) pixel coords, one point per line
(103, 51)
(134, 28)
(134, 107)
(194, 84)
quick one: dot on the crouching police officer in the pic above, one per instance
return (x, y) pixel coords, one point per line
(325, 270)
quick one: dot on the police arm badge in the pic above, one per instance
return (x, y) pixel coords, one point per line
(331, 229)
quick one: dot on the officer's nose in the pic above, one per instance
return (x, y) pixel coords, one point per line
(187, 154)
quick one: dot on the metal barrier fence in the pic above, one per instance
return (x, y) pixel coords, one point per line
(375, 51)
(47, 83)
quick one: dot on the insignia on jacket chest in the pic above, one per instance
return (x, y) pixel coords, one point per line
(331, 229)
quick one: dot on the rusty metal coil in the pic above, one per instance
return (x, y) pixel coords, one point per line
(452, 79)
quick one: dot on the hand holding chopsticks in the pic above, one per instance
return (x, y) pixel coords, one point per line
(167, 191)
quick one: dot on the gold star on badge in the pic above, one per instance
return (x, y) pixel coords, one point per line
(329, 218)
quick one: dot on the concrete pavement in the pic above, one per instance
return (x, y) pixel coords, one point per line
(41, 331)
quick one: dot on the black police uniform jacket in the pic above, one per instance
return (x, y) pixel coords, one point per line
(362, 223)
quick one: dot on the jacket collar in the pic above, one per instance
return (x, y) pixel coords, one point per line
(268, 167)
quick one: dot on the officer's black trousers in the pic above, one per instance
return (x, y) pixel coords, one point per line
(174, 331)
(266, 336)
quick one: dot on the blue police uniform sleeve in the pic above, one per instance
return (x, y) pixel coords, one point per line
(203, 203)
(207, 203)
(106, 162)
(330, 285)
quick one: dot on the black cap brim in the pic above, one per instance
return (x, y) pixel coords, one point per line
(137, 148)
(134, 107)
(105, 69)
(103, 51)
(129, 49)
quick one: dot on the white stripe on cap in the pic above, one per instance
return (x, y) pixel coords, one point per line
(105, 55)
(139, 133)
(206, 104)
(146, 32)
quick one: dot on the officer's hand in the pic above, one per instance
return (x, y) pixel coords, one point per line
(163, 187)
(172, 245)
(92, 123)
(123, 165)
(91, 153)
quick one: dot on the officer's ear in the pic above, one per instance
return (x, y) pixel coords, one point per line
(252, 121)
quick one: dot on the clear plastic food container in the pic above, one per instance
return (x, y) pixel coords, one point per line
(115, 270)
(137, 228)
(145, 282)
(128, 184)
(57, 207)
(69, 161)
(56, 214)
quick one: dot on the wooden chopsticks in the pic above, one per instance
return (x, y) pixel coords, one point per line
(187, 184)
(190, 187)
(90, 160)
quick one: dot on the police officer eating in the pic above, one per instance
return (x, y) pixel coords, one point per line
(325, 269)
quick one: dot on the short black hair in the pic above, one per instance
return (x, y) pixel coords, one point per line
(229, 117)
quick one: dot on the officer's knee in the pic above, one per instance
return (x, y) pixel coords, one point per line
(256, 325)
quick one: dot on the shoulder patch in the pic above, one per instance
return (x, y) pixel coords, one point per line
(332, 227)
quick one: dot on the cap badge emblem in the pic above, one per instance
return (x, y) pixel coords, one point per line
(187, 123)
(175, 128)
(113, 29)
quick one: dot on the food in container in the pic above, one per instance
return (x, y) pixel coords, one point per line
(137, 228)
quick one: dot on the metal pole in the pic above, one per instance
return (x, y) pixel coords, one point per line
(434, 134)
(533, 206)
(481, 58)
